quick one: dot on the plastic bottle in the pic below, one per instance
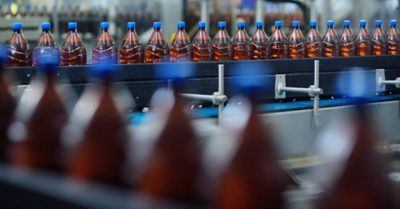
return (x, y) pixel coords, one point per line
(313, 41)
(181, 48)
(363, 40)
(202, 44)
(346, 41)
(40, 118)
(330, 42)
(296, 42)
(222, 45)
(46, 45)
(131, 50)
(259, 43)
(73, 52)
(18, 52)
(378, 40)
(157, 48)
(104, 50)
(100, 154)
(278, 45)
(241, 43)
(7, 107)
(393, 39)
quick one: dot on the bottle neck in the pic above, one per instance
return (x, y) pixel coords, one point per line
(72, 30)
(131, 29)
(157, 29)
(241, 28)
(17, 31)
(46, 31)
(222, 29)
(260, 28)
(393, 26)
(105, 30)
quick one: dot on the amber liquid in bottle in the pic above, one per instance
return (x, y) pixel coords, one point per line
(181, 48)
(378, 40)
(131, 50)
(72, 51)
(157, 49)
(393, 39)
(296, 43)
(259, 43)
(313, 42)
(202, 45)
(346, 41)
(18, 52)
(46, 45)
(363, 40)
(241, 43)
(330, 42)
(222, 44)
(278, 45)
(104, 50)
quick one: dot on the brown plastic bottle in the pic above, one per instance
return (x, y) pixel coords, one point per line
(313, 42)
(241, 43)
(18, 52)
(104, 50)
(346, 41)
(46, 45)
(259, 43)
(181, 48)
(72, 51)
(378, 40)
(40, 147)
(202, 45)
(222, 43)
(7, 108)
(330, 42)
(101, 151)
(363, 40)
(393, 39)
(157, 48)
(278, 45)
(131, 50)
(296, 43)
(174, 167)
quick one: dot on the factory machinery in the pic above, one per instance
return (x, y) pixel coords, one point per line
(302, 98)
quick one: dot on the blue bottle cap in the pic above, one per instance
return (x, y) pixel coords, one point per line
(313, 23)
(393, 23)
(104, 25)
(46, 26)
(241, 24)
(378, 23)
(330, 23)
(221, 24)
(157, 25)
(363, 23)
(295, 24)
(278, 24)
(260, 24)
(72, 25)
(180, 24)
(17, 26)
(202, 24)
(346, 23)
(131, 25)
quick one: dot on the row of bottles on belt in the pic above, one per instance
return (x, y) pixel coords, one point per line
(260, 46)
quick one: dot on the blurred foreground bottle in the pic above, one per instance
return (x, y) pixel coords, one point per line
(101, 150)
(157, 48)
(296, 43)
(181, 48)
(46, 45)
(202, 44)
(259, 43)
(131, 50)
(346, 41)
(363, 40)
(104, 50)
(330, 42)
(393, 39)
(72, 51)
(278, 45)
(18, 52)
(40, 118)
(313, 42)
(7, 107)
(241, 43)
(378, 40)
(222, 43)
